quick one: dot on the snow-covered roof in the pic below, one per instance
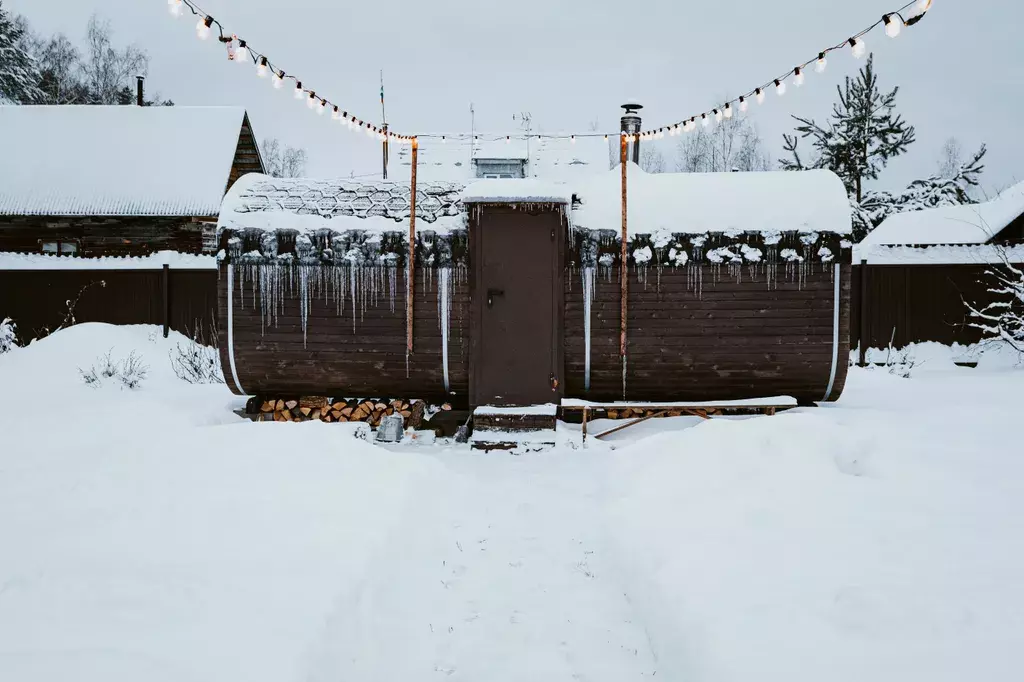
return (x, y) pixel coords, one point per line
(696, 203)
(116, 160)
(967, 224)
(546, 158)
(938, 254)
(307, 205)
(154, 261)
(517, 191)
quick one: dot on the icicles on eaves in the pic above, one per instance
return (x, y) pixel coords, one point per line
(444, 314)
(588, 298)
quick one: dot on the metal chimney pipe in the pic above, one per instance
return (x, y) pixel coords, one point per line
(140, 99)
(631, 126)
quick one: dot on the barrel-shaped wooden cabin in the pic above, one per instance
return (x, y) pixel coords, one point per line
(737, 286)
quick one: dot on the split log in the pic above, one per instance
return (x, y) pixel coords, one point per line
(291, 404)
(279, 406)
(306, 411)
(279, 417)
(416, 414)
(313, 401)
(268, 406)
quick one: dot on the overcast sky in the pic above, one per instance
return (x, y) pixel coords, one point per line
(570, 62)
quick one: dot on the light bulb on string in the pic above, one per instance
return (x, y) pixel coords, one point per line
(718, 116)
(924, 5)
(857, 47)
(573, 139)
(728, 110)
(262, 67)
(704, 120)
(759, 95)
(780, 87)
(175, 7)
(203, 27)
(311, 100)
(322, 108)
(336, 114)
(299, 94)
(798, 76)
(278, 79)
(242, 53)
(508, 139)
(893, 24)
(743, 104)
(821, 63)
(444, 140)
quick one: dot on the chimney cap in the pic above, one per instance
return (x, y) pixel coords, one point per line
(632, 107)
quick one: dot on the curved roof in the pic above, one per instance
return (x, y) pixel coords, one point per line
(696, 203)
(116, 160)
(967, 224)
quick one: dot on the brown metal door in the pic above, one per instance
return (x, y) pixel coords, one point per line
(517, 290)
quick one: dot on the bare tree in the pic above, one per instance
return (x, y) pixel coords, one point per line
(107, 70)
(651, 160)
(283, 162)
(1002, 317)
(60, 64)
(732, 145)
(950, 158)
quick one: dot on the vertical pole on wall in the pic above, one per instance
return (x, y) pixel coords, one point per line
(862, 338)
(412, 247)
(167, 299)
(624, 272)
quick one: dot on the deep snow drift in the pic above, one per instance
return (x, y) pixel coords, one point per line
(151, 534)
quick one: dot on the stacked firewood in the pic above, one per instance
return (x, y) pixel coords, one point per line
(370, 411)
(637, 413)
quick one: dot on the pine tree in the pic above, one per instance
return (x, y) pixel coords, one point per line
(861, 136)
(19, 75)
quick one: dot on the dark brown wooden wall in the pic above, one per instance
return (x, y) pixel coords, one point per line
(364, 357)
(732, 340)
(37, 299)
(247, 155)
(915, 303)
(103, 236)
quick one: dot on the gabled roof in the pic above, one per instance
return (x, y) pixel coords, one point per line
(116, 160)
(559, 159)
(967, 224)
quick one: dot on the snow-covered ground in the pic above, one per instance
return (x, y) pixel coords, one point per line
(150, 534)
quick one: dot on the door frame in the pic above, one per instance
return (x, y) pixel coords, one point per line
(477, 217)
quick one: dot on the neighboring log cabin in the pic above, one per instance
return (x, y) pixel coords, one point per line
(122, 180)
(737, 286)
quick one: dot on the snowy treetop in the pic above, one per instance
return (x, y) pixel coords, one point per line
(116, 160)
(966, 224)
(699, 203)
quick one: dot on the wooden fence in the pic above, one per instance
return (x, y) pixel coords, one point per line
(915, 303)
(38, 300)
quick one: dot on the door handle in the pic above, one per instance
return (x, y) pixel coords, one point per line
(491, 293)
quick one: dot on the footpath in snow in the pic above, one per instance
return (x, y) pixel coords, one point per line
(150, 534)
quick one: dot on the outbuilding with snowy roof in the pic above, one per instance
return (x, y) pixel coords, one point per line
(512, 291)
(118, 180)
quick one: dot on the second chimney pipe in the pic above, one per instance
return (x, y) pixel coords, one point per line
(140, 99)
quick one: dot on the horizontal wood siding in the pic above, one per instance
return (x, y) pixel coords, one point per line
(720, 339)
(103, 236)
(37, 299)
(344, 355)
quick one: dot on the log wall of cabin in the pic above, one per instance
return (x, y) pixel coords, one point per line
(707, 333)
(349, 351)
(103, 236)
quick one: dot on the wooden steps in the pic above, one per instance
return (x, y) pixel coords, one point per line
(514, 428)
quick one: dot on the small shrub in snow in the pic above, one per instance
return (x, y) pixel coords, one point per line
(131, 371)
(197, 361)
(8, 342)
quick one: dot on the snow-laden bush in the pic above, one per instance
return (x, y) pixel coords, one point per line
(197, 361)
(8, 342)
(131, 371)
(1002, 319)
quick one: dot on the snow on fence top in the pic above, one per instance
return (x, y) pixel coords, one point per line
(967, 224)
(517, 191)
(155, 261)
(699, 203)
(116, 160)
(971, 254)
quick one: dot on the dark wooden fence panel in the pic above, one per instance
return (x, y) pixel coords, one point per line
(915, 303)
(37, 300)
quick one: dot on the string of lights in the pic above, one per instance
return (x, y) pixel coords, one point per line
(893, 22)
(240, 51)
